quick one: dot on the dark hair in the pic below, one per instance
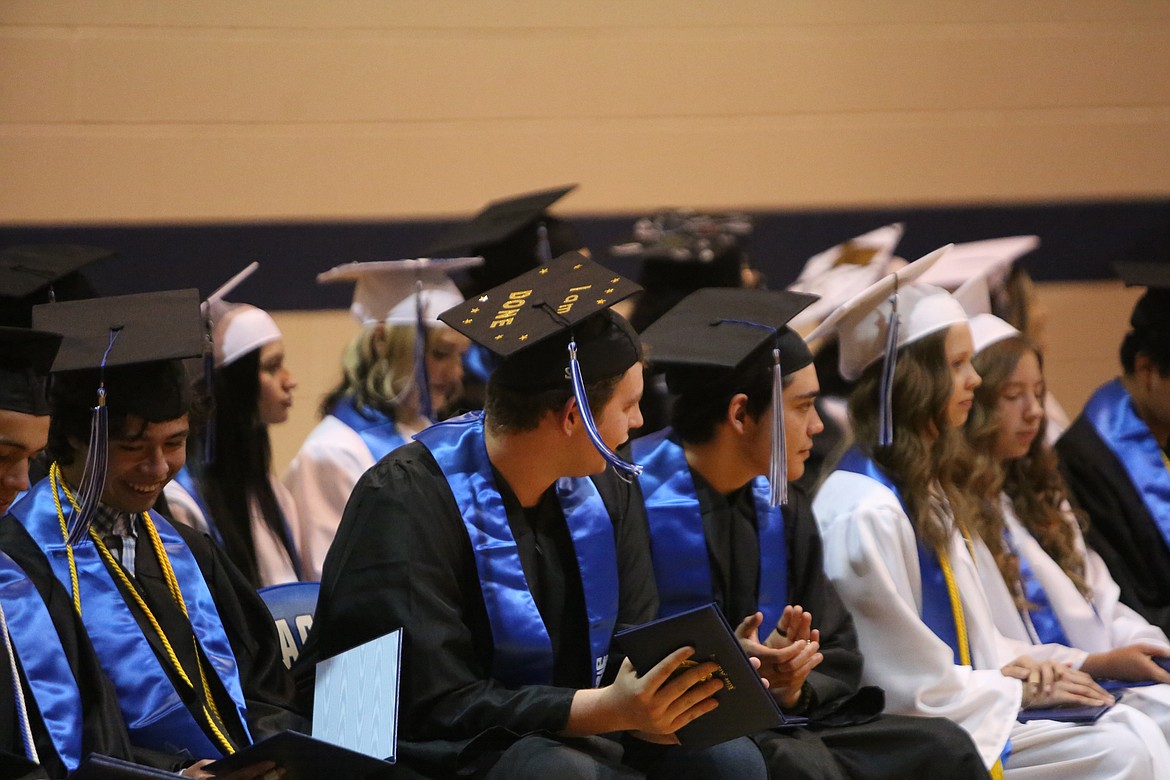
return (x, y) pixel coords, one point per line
(510, 410)
(1032, 481)
(1150, 334)
(698, 410)
(239, 471)
(925, 448)
(150, 392)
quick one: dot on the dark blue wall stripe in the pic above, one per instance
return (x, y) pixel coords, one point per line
(1080, 242)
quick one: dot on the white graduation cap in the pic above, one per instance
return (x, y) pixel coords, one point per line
(885, 317)
(839, 273)
(394, 291)
(237, 328)
(862, 323)
(990, 260)
(986, 329)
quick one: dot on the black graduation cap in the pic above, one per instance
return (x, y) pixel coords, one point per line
(554, 328)
(497, 221)
(1151, 314)
(26, 357)
(712, 332)
(124, 342)
(124, 330)
(39, 273)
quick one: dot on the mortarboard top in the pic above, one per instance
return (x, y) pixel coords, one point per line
(26, 357)
(989, 260)
(717, 329)
(684, 236)
(384, 290)
(842, 271)
(28, 268)
(530, 320)
(150, 327)
(497, 221)
(862, 323)
(1154, 275)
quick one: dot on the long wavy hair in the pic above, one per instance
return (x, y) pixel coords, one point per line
(238, 471)
(378, 372)
(1032, 482)
(926, 450)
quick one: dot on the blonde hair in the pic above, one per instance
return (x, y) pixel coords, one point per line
(378, 372)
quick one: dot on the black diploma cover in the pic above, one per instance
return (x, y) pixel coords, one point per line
(745, 705)
(305, 758)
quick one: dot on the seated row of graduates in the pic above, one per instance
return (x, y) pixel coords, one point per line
(509, 548)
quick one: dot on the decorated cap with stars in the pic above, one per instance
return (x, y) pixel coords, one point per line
(531, 320)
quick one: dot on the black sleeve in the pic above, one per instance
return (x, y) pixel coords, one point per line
(1121, 529)
(267, 684)
(837, 677)
(402, 558)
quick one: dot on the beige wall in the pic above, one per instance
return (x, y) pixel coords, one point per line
(139, 111)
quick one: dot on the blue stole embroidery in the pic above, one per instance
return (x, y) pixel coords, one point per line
(154, 712)
(46, 668)
(937, 610)
(1111, 413)
(1044, 620)
(678, 544)
(377, 430)
(523, 650)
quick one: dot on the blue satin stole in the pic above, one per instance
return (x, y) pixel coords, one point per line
(523, 650)
(1111, 413)
(38, 646)
(1044, 620)
(154, 712)
(678, 543)
(377, 430)
(937, 610)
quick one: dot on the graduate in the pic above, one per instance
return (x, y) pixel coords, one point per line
(399, 372)
(227, 489)
(500, 542)
(56, 706)
(190, 648)
(1048, 589)
(1114, 454)
(719, 532)
(895, 516)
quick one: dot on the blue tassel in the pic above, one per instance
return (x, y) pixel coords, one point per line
(886, 389)
(421, 377)
(778, 465)
(623, 467)
(93, 477)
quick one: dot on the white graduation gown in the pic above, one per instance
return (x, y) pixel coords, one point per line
(1111, 625)
(871, 555)
(272, 559)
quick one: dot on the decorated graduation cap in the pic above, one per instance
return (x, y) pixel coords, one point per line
(512, 234)
(26, 357)
(554, 328)
(404, 292)
(885, 317)
(32, 274)
(842, 271)
(712, 333)
(116, 346)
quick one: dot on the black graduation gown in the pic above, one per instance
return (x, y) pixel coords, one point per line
(267, 686)
(1121, 528)
(102, 728)
(402, 558)
(849, 738)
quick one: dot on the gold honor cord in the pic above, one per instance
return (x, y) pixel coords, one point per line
(214, 721)
(961, 625)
